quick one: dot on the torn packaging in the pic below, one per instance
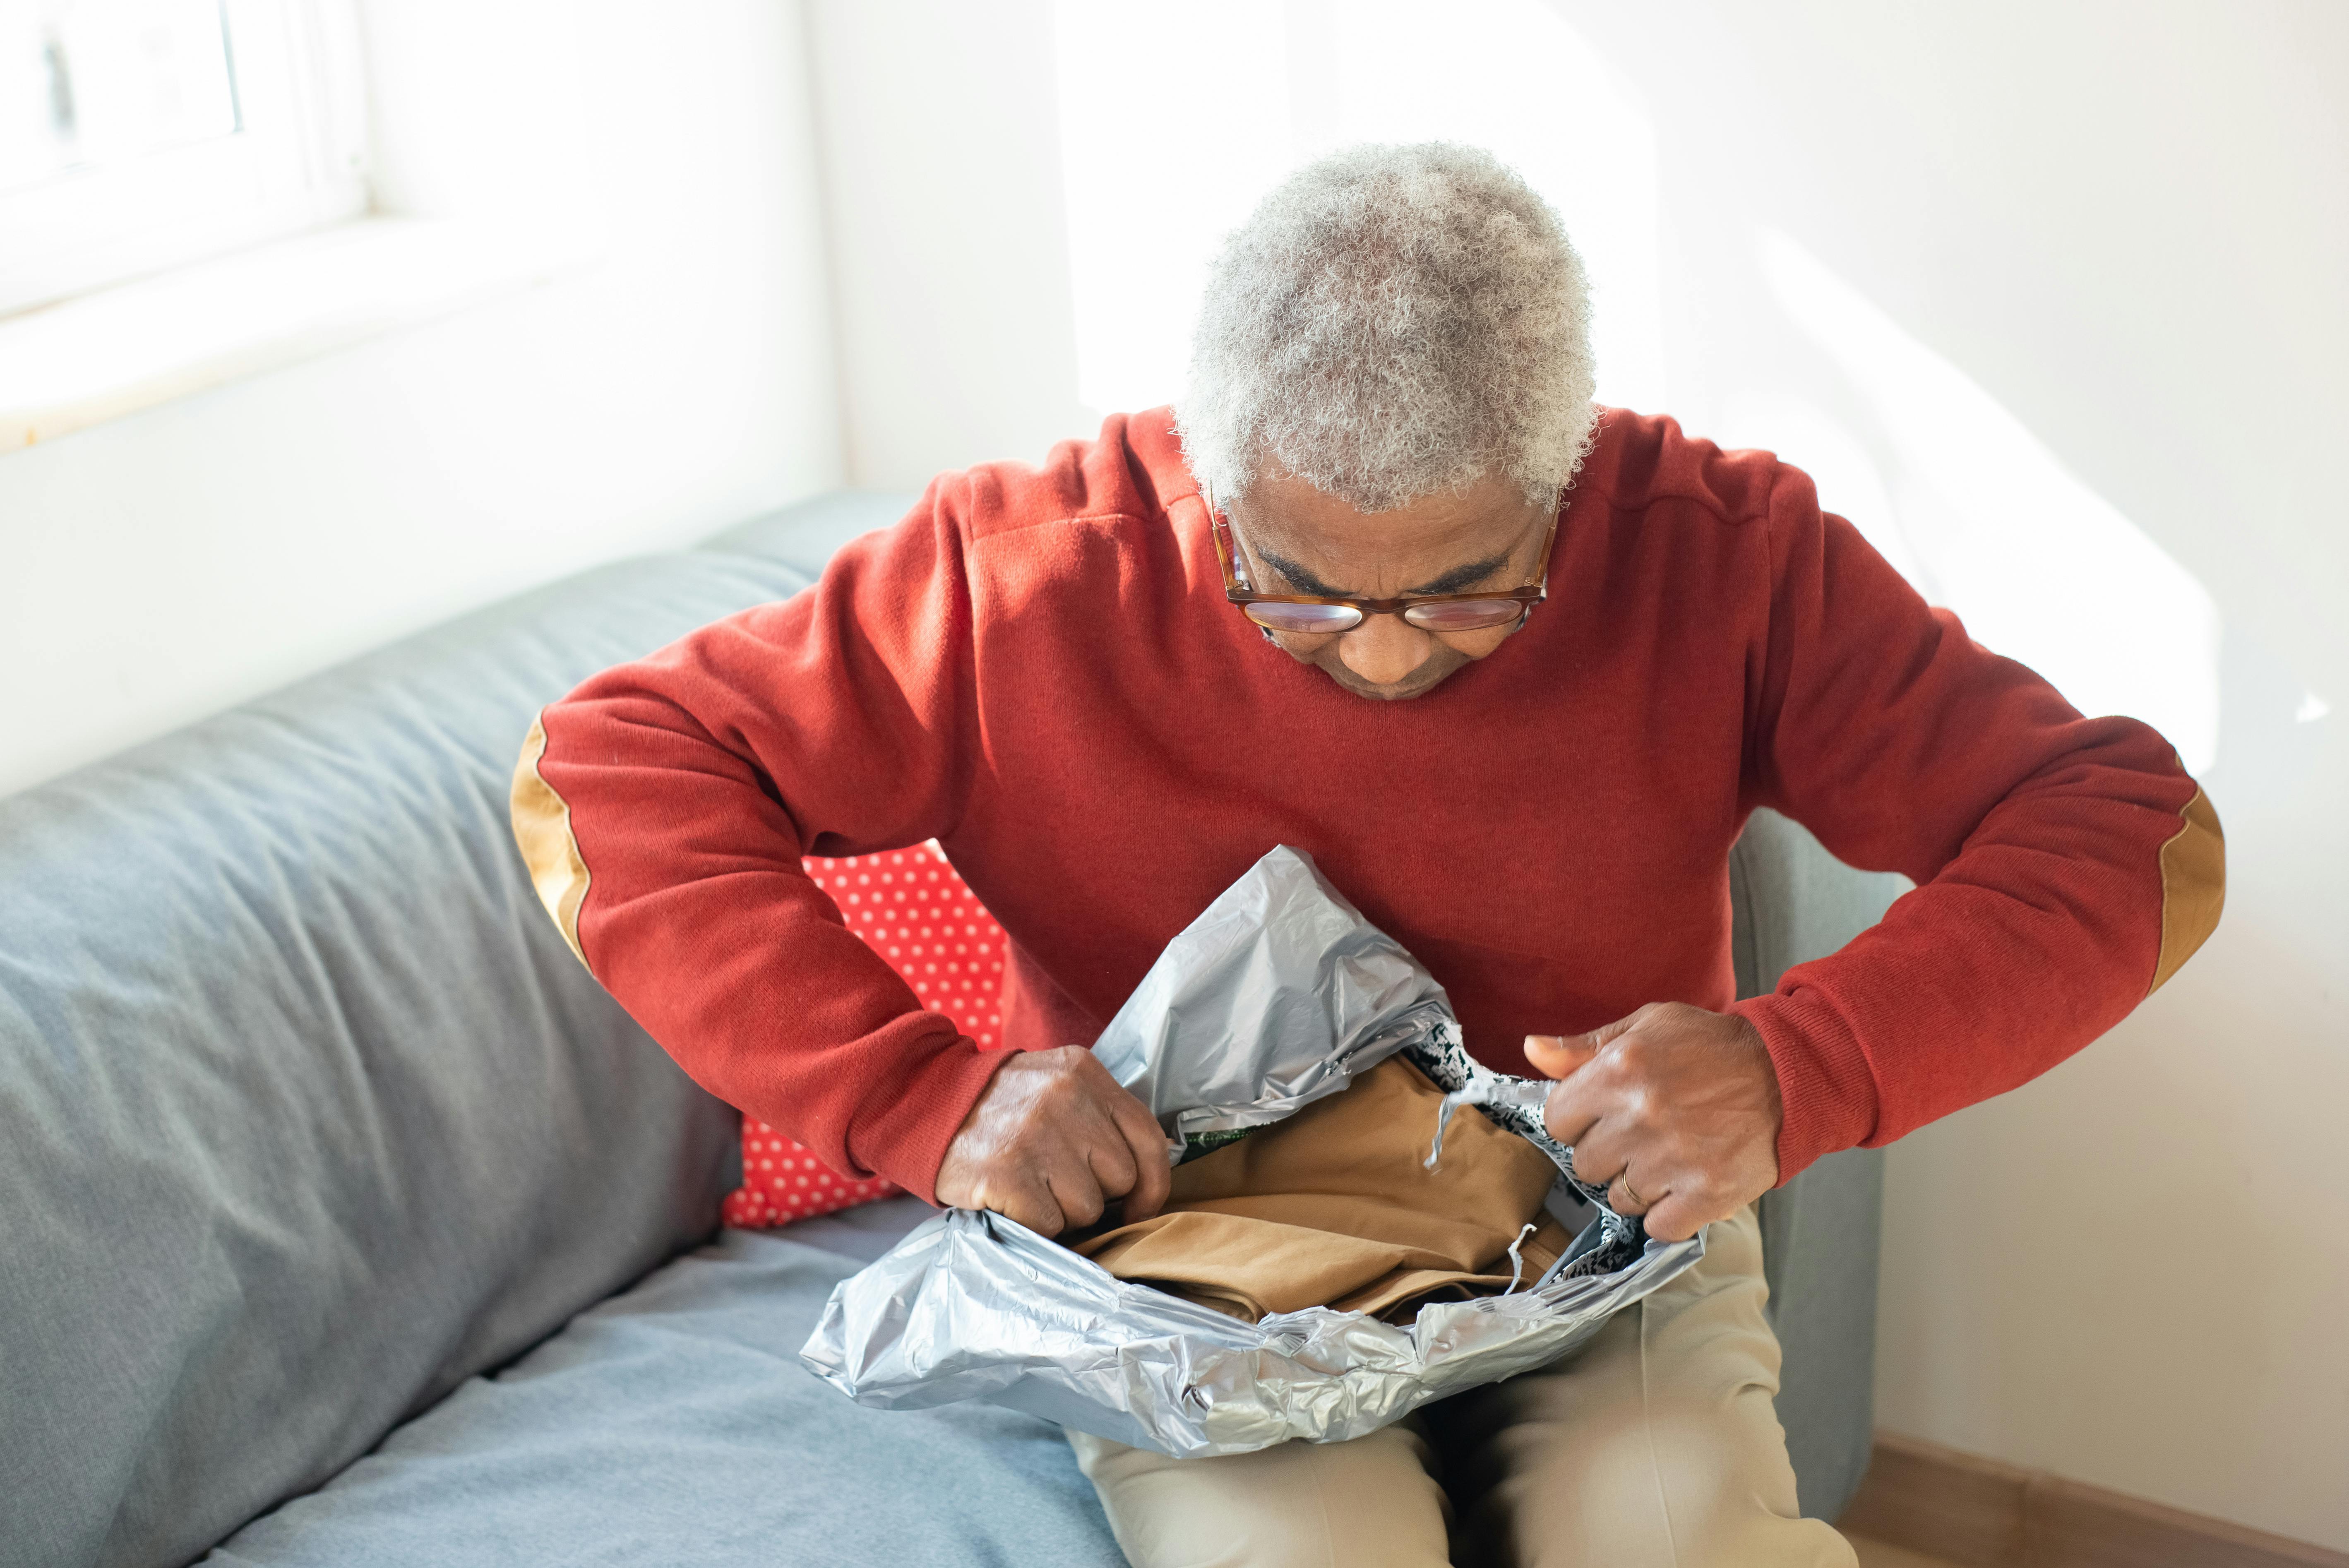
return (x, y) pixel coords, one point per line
(1276, 997)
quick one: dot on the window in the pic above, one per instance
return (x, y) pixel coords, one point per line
(136, 135)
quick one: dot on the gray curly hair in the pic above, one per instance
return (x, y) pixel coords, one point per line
(1389, 322)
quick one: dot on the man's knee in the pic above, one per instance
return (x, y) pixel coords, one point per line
(1684, 1482)
(1659, 1443)
(1371, 1501)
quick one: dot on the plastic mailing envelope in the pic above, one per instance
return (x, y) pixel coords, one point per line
(1278, 994)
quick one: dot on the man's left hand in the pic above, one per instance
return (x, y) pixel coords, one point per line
(1675, 1111)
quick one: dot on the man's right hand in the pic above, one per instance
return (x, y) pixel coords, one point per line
(1053, 1140)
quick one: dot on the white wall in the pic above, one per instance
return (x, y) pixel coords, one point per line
(2047, 296)
(174, 562)
(2127, 223)
(949, 244)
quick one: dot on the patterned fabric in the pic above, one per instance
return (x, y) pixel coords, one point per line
(911, 908)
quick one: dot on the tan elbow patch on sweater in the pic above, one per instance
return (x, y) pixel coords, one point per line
(2193, 886)
(542, 826)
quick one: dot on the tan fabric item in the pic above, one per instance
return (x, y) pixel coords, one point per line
(1333, 1207)
(541, 826)
(1657, 1444)
(2193, 886)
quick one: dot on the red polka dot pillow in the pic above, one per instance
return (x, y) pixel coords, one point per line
(910, 907)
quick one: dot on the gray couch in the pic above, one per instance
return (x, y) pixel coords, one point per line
(343, 1220)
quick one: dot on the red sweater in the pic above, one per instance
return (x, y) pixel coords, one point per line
(1038, 669)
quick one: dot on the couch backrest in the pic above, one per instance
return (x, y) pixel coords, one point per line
(306, 1113)
(1793, 902)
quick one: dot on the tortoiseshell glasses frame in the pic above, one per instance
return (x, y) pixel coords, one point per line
(1321, 615)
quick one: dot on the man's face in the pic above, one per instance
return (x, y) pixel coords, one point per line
(1295, 539)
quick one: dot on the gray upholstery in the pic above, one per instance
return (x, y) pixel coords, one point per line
(306, 1113)
(309, 1118)
(674, 1424)
(1792, 902)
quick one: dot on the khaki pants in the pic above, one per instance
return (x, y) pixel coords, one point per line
(1656, 1443)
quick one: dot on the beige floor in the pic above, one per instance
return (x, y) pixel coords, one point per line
(1883, 1555)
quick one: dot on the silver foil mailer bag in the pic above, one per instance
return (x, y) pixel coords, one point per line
(1278, 994)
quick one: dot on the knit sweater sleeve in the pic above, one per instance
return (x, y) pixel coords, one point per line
(2064, 866)
(665, 805)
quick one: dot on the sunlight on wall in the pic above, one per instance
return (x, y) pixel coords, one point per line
(1172, 125)
(1983, 518)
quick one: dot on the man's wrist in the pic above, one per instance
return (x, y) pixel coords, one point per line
(1826, 1089)
(906, 1136)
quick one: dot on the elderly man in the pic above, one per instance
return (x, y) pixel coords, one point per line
(1387, 586)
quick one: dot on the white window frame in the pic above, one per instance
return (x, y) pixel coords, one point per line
(473, 138)
(298, 162)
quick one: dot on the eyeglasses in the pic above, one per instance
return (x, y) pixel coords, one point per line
(1315, 613)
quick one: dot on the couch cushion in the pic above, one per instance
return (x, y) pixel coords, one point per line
(914, 909)
(307, 1112)
(675, 1424)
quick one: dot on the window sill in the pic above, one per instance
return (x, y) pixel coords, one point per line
(103, 354)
